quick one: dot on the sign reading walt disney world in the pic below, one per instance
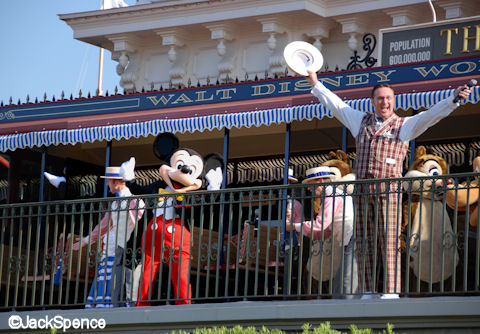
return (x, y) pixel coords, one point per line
(242, 91)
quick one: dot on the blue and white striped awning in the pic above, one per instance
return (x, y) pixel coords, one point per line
(454, 154)
(210, 122)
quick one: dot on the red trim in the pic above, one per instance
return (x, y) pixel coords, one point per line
(4, 162)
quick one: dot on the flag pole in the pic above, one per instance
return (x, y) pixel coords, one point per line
(100, 65)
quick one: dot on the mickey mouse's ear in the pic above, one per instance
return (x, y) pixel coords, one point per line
(212, 161)
(164, 145)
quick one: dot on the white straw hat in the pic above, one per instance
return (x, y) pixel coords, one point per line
(321, 172)
(291, 178)
(112, 173)
(301, 56)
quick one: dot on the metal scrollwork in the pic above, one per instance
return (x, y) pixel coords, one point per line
(369, 43)
(171, 255)
(93, 258)
(284, 248)
(414, 242)
(252, 246)
(129, 259)
(14, 264)
(319, 250)
(449, 240)
(207, 255)
(460, 240)
(49, 259)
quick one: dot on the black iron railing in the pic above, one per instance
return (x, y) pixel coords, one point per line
(236, 245)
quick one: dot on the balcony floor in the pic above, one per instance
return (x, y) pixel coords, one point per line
(409, 315)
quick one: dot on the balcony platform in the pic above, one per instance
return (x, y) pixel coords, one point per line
(408, 315)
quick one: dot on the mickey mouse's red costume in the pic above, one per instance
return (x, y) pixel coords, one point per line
(182, 172)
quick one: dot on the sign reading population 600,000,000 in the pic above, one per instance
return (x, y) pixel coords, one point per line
(450, 39)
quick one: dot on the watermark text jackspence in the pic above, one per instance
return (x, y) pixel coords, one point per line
(57, 321)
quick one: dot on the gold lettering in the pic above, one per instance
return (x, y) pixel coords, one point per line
(477, 39)
(201, 96)
(382, 76)
(162, 99)
(183, 99)
(357, 79)
(331, 81)
(422, 70)
(226, 93)
(466, 38)
(284, 87)
(471, 66)
(448, 48)
(257, 90)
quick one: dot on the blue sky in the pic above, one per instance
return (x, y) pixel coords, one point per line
(39, 54)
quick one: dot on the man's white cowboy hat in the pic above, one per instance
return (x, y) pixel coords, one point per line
(112, 173)
(301, 56)
(291, 178)
(322, 172)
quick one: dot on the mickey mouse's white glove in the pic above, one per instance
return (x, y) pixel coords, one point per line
(54, 180)
(214, 178)
(127, 169)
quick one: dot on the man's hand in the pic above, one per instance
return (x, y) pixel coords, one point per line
(463, 91)
(127, 169)
(312, 78)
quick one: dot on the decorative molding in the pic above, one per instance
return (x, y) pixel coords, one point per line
(223, 32)
(456, 9)
(404, 16)
(354, 27)
(175, 39)
(319, 32)
(274, 26)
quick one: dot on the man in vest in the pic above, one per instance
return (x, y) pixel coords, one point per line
(381, 145)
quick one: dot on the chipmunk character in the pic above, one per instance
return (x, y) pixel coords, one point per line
(431, 238)
(465, 196)
(167, 236)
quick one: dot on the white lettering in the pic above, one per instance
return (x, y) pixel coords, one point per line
(58, 322)
(331, 81)
(422, 70)
(162, 99)
(470, 67)
(284, 87)
(382, 76)
(357, 79)
(201, 96)
(409, 44)
(257, 90)
(226, 93)
(183, 99)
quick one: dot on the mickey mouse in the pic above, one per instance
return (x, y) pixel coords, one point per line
(183, 171)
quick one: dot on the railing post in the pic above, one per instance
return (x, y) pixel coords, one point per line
(41, 196)
(287, 244)
(223, 208)
(344, 139)
(108, 159)
(226, 146)
(412, 151)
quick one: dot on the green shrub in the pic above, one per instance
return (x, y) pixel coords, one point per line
(324, 328)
